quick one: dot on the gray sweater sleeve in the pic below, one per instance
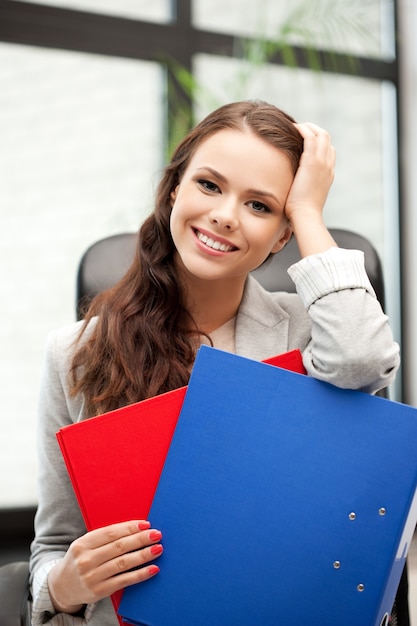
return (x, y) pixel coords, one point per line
(351, 342)
(58, 519)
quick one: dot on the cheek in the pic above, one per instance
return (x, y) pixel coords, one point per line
(177, 222)
(267, 240)
(266, 234)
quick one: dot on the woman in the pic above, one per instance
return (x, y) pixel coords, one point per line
(238, 187)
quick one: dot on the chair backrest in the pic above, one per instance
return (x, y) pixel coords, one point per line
(107, 260)
(102, 265)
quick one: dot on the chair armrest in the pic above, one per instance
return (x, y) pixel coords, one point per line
(14, 594)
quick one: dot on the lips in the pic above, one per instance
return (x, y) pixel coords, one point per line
(214, 244)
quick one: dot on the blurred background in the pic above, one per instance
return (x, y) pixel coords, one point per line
(94, 95)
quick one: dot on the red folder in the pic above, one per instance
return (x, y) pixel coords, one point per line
(115, 460)
(291, 360)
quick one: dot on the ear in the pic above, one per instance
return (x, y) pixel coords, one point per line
(173, 195)
(283, 240)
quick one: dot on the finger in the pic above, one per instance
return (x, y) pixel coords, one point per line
(317, 141)
(108, 534)
(127, 544)
(308, 129)
(114, 583)
(122, 546)
(315, 138)
(128, 561)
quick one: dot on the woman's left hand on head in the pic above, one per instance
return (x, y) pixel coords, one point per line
(314, 176)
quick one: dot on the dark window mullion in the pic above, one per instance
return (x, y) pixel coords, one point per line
(52, 27)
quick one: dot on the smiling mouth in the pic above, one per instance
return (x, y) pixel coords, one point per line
(213, 243)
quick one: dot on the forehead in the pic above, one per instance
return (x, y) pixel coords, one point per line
(240, 152)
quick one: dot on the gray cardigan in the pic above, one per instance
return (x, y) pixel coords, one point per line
(335, 321)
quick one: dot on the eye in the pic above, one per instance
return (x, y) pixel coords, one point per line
(208, 185)
(259, 207)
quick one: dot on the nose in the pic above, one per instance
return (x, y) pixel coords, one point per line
(225, 215)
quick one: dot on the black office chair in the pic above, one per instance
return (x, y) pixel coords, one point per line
(105, 262)
(102, 265)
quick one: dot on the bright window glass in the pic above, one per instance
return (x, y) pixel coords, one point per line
(80, 153)
(363, 27)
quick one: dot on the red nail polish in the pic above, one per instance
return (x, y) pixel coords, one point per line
(144, 525)
(152, 570)
(155, 535)
(157, 549)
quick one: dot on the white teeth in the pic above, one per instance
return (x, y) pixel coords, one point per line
(211, 243)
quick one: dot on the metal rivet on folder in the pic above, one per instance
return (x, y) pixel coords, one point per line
(360, 587)
(382, 511)
(352, 515)
(336, 564)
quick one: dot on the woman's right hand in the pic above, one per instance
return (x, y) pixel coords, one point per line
(103, 561)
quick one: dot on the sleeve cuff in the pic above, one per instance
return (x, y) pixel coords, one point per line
(317, 275)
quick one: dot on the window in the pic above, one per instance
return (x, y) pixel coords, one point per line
(80, 150)
(362, 27)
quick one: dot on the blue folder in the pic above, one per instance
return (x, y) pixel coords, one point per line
(283, 500)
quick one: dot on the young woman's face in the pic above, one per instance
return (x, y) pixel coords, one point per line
(228, 210)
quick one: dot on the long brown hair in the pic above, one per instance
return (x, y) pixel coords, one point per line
(142, 342)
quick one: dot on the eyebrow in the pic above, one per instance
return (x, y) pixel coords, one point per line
(255, 192)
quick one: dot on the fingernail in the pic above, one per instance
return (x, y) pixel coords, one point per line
(144, 525)
(155, 535)
(157, 549)
(152, 570)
